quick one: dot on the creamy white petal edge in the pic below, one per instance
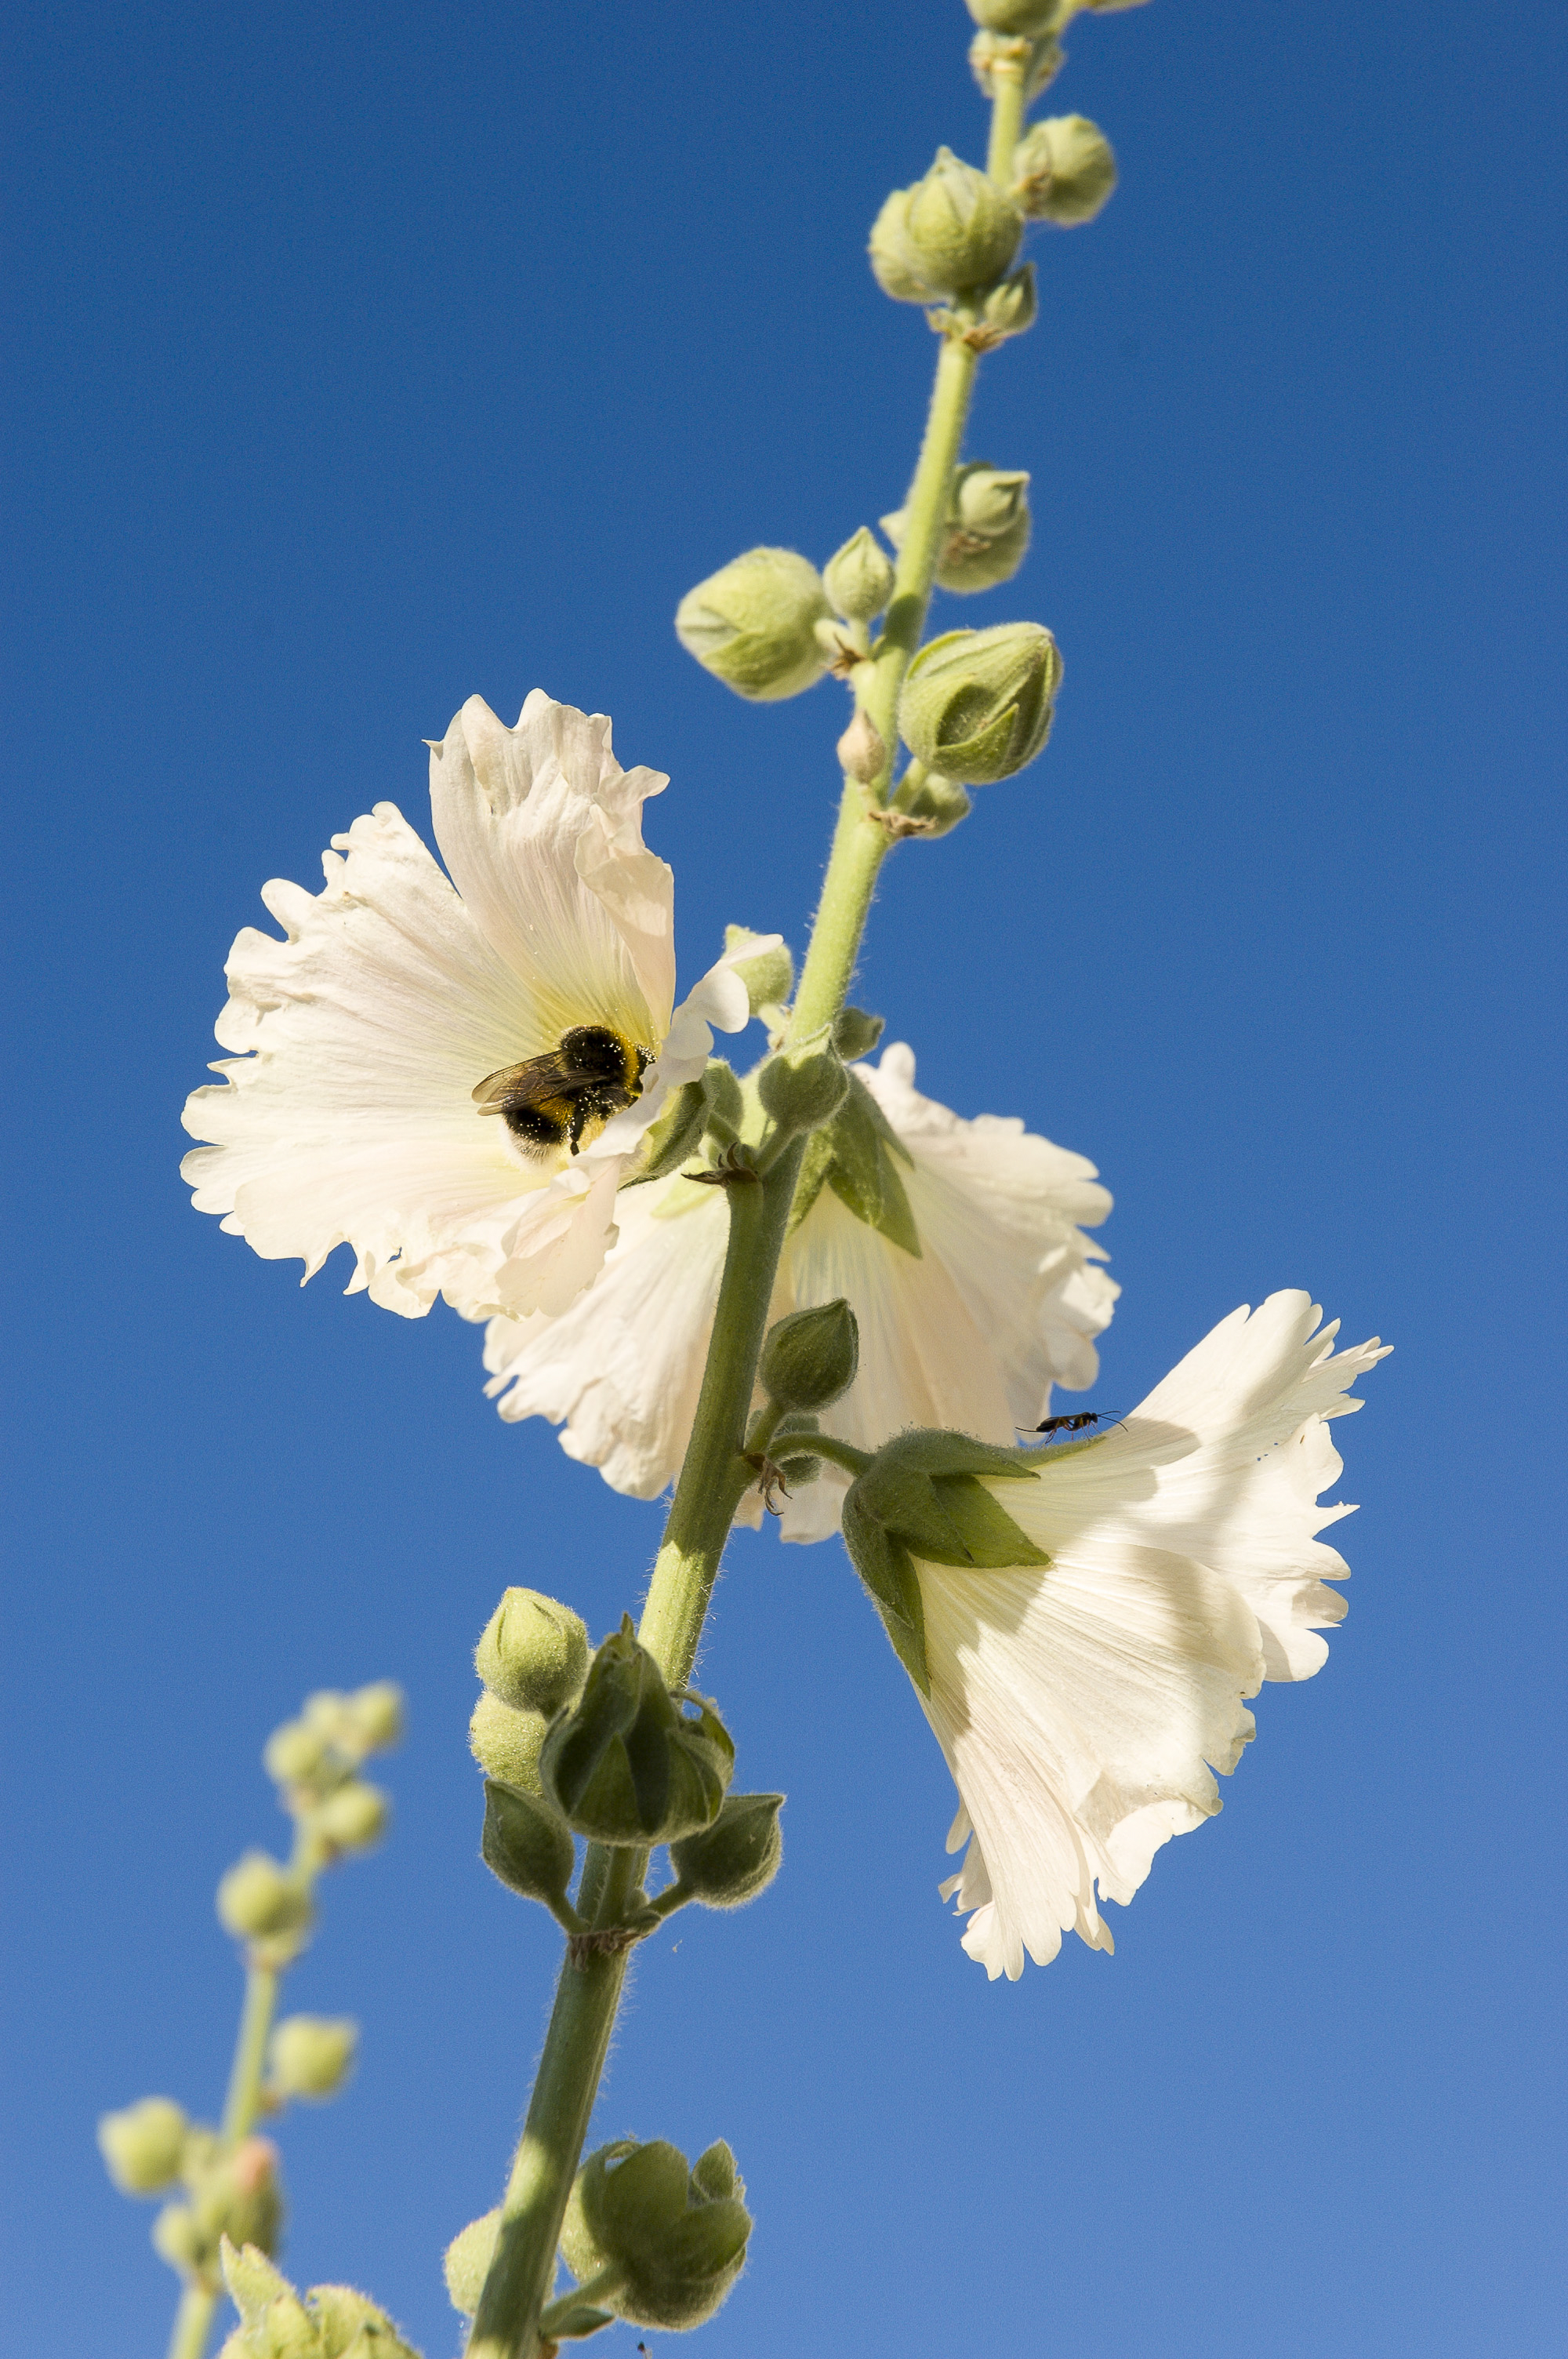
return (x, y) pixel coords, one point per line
(1083, 1706)
(1005, 1299)
(347, 1114)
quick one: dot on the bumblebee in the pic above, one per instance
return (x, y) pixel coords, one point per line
(551, 1101)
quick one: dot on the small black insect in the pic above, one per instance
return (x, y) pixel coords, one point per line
(1078, 1422)
(550, 1100)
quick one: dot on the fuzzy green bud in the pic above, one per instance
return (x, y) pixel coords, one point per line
(754, 624)
(1011, 308)
(238, 2197)
(952, 231)
(996, 56)
(300, 1755)
(627, 1766)
(1064, 171)
(859, 579)
(332, 2323)
(769, 977)
(466, 2264)
(935, 803)
(353, 1818)
(311, 2055)
(675, 2237)
(811, 1357)
(143, 2146)
(861, 750)
(802, 1088)
(978, 705)
(738, 1856)
(258, 1900)
(526, 1845)
(533, 1652)
(856, 1033)
(507, 1742)
(986, 531)
(377, 1713)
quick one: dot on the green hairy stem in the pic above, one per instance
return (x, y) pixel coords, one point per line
(199, 2303)
(713, 1477)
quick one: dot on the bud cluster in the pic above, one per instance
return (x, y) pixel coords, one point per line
(952, 233)
(275, 2322)
(662, 2242)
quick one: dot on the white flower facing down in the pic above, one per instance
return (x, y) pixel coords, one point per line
(1083, 1705)
(1003, 1300)
(349, 1111)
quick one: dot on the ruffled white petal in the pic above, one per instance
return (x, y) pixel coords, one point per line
(1004, 1300)
(541, 832)
(347, 1114)
(1083, 1706)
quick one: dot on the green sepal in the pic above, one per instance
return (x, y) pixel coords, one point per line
(626, 1766)
(887, 1572)
(574, 2325)
(923, 1488)
(854, 1156)
(677, 1134)
(524, 1845)
(725, 1108)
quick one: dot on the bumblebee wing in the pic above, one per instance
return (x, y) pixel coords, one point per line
(523, 1084)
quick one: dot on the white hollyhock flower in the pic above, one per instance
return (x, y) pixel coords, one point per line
(363, 1038)
(1004, 1300)
(1083, 1705)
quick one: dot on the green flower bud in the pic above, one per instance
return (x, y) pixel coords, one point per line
(332, 2323)
(534, 1653)
(311, 2055)
(467, 2262)
(353, 1818)
(142, 2147)
(238, 2196)
(754, 624)
(859, 579)
(1011, 308)
(300, 1755)
(977, 705)
(1064, 171)
(176, 2238)
(675, 2237)
(985, 532)
(935, 803)
(993, 55)
(862, 753)
(258, 1900)
(526, 1845)
(507, 1743)
(1027, 17)
(626, 1766)
(954, 230)
(811, 1357)
(888, 246)
(739, 1854)
(803, 1088)
(769, 977)
(856, 1033)
(726, 1101)
(378, 1716)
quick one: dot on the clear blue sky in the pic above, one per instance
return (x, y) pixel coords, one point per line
(361, 358)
